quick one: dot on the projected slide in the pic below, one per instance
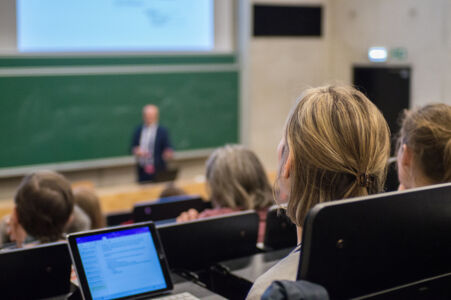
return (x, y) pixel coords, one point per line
(115, 25)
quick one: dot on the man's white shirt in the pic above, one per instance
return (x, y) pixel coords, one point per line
(147, 143)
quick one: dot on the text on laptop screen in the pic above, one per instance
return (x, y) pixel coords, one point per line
(121, 263)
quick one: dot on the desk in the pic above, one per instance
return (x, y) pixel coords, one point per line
(251, 267)
(241, 273)
(181, 285)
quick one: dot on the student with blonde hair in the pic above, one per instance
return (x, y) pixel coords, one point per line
(236, 180)
(424, 146)
(336, 145)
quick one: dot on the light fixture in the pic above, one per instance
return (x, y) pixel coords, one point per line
(377, 54)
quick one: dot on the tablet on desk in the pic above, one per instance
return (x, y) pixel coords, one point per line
(125, 262)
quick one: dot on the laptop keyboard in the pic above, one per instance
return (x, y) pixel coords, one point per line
(181, 296)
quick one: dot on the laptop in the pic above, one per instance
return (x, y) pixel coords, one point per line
(167, 208)
(126, 262)
(119, 218)
(38, 272)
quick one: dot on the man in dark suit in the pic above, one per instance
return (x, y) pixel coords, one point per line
(151, 145)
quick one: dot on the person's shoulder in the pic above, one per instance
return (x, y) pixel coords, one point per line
(138, 129)
(286, 269)
(79, 222)
(162, 128)
(162, 131)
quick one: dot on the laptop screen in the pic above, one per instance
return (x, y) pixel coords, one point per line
(121, 263)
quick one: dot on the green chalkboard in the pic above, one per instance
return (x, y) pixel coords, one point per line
(50, 119)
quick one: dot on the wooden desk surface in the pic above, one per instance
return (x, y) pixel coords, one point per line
(123, 197)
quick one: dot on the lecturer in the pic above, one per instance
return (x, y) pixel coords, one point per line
(151, 145)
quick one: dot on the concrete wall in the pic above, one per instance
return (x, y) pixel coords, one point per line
(421, 27)
(8, 38)
(280, 69)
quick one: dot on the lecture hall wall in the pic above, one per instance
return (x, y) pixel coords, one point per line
(279, 69)
(423, 28)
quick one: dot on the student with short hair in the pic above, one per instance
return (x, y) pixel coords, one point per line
(236, 180)
(171, 190)
(424, 146)
(336, 145)
(43, 206)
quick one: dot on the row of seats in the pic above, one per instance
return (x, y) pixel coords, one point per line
(280, 232)
(217, 239)
(368, 246)
(387, 246)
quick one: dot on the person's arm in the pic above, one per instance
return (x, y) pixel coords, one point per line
(135, 149)
(188, 215)
(140, 153)
(135, 140)
(168, 152)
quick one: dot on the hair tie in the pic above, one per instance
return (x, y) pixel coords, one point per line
(364, 179)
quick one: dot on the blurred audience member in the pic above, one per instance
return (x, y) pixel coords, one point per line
(88, 201)
(236, 180)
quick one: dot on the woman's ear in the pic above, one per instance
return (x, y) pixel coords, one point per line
(287, 167)
(69, 221)
(406, 156)
(404, 164)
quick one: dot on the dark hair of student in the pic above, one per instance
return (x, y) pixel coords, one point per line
(44, 204)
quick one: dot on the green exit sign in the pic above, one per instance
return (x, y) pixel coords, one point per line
(399, 53)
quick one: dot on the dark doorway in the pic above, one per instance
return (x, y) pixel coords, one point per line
(388, 88)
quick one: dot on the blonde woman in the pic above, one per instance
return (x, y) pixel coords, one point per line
(336, 145)
(424, 146)
(236, 180)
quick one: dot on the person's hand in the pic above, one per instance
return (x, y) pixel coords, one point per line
(140, 153)
(401, 187)
(15, 230)
(189, 215)
(168, 154)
